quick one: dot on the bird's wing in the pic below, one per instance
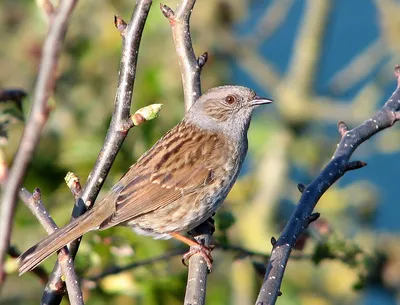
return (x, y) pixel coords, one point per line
(177, 165)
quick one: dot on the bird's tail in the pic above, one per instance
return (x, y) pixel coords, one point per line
(58, 239)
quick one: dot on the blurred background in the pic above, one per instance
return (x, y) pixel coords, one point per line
(321, 61)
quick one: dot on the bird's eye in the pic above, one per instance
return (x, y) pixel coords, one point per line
(230, 99)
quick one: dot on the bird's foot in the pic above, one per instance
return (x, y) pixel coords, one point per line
(204, 251)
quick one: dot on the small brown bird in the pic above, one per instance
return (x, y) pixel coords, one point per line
(176, 185)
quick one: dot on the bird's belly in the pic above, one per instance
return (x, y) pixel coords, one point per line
(181, 216)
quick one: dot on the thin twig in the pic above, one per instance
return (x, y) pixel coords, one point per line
(40, 111)
(119, 126)
(198, 270)
(190, 68)
(240, 251)
(149, 261)
(335, 169)
(35, 204)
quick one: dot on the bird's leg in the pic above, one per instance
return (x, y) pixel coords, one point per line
(196, 247)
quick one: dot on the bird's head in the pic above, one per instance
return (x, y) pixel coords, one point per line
(227, 109)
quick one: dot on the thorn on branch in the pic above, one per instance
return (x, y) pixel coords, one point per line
(167, 12)
(313, 217)
(355, 165)
(273, 241)
(301, 187)
(37, 194)
(202, 60)
(120, 24)
(343, 128)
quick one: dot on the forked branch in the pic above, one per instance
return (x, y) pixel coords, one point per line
(120, 124)
(190, 70)
(311, 193)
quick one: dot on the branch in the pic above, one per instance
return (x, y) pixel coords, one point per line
(120, 124)
(40, 111)
(189, 64)
(35, 204)
(190, 70)
(198, 270)
(240, 253)
(335, 169)
(145, 262)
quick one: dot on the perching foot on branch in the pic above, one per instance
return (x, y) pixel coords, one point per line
(204, 251)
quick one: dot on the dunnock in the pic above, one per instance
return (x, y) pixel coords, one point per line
(176, 185)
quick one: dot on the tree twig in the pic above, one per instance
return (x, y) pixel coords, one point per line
(198, 270)
(335, 169)
(189, 64)
(149, 261)
(190, 70)
(119, 126)
(240, 251)
(40, 111)
(35, 204)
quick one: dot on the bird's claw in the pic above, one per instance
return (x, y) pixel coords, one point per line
(204, 251)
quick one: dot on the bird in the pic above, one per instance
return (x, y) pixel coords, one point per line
(178, 183)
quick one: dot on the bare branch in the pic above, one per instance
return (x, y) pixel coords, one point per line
(35, 204)
(40, 111)
(240, 254)
(115, 135)
(198, 270)
(335, 169)
(190, 69)
(145, 262)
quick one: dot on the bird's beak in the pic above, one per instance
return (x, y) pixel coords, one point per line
(260, 101)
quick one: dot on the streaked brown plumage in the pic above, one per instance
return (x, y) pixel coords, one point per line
(176, 185)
